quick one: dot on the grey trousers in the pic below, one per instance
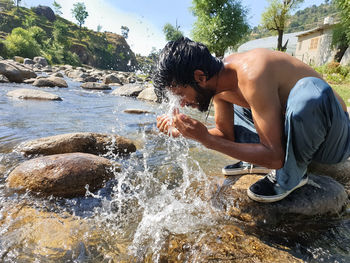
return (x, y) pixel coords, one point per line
(316, 129)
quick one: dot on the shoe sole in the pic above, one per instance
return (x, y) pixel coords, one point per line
(268, 199)
(254, 170)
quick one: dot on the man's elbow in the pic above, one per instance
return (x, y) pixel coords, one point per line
(277, 162)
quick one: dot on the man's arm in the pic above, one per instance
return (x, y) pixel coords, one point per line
(224, 116)
(267, 114)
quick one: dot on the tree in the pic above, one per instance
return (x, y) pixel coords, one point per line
(172, 33)
(125, 31)
(220, 24)
(57, 8)
(99, 28)
(18, 2)
(79, 12)
(344, 8)
(276, 16)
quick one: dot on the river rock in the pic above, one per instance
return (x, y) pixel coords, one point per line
(321, 196)
(111, 78)
(29, 81)
(18, 59)
(136, 111)
(28, 61)
(51, 82)
(128, 90)
(41, 61)
(148, 94)
(74, 74)
(57, 237)
(90, 79)
(88, 142)
(62, 175)
(3, 79)
(222, 243)
(30, 94)
(57, 74)
(14, 71)
(95, 86)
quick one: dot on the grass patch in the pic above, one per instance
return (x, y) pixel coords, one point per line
(344, 91)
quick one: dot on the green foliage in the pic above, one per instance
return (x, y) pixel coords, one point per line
(6, 4)
(276, 15)
(57, 7)
(99, 28)
(333, 72)
(21, 43)
(220, 24)
(79, 12)
(172, 33)
(125, 31)
(344, 7)
(38, 34)
(58, 54)
(60, 32)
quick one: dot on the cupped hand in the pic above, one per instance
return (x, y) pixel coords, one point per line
(164, 124)
(190, 128)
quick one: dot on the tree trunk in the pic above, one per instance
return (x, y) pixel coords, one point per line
(279, 40)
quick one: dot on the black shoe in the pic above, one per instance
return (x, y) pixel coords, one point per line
(267, 190)
(240, 168)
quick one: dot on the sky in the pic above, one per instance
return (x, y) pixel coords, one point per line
(146, 18)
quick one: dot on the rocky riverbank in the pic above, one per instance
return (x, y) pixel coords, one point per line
(38, 73)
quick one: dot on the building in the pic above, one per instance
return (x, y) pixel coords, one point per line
(314, 46)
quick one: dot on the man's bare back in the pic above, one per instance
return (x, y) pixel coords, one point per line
(273, 71)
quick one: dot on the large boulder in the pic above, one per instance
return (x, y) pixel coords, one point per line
(111, 78)
(148, 94)
(41, 61)
(321, 196)
(95, 86)
(51, 82)
(30, 94)
(128, 90)
(15, 72)
(221, 243)
(45, 11)
(87, 142)
(63, 175)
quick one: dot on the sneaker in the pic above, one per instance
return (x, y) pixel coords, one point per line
(240, 168)
(267, 190)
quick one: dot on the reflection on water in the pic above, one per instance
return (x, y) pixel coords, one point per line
(165, 188)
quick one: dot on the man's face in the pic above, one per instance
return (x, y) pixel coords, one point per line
(193, 96)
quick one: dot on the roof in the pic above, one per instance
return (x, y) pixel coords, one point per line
(271, 43)
(316, 29)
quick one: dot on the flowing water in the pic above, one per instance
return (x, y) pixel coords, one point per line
(164, 188)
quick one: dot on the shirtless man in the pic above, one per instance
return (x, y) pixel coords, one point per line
(298, 118)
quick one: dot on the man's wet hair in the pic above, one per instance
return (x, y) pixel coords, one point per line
(177, 62)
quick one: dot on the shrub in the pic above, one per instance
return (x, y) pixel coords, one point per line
(335, 78)
(21, 43)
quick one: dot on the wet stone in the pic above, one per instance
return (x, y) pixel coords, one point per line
(320, 196)
(129, 90)
(62, 175)
(136, 111)
(87, 142)
(30, 94)
(223, 243)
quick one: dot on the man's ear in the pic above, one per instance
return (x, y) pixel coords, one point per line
(200, 77)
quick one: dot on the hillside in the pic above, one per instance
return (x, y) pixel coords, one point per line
(62, 41)
(302, 20)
